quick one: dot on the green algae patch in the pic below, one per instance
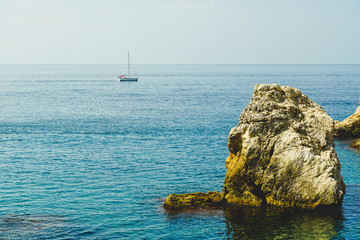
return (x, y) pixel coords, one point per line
(194, 200)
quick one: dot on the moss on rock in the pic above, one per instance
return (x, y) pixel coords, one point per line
(194, 200)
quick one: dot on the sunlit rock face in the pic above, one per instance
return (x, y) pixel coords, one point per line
(350, 127)
(282, 153)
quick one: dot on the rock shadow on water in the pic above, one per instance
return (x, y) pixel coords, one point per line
(249, 222)
(271, 223)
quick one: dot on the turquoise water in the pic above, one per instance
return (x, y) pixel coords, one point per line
(83, 156)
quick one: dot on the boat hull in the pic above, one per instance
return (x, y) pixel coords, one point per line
(127, 79)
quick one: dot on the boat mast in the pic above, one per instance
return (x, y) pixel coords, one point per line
(129, 63)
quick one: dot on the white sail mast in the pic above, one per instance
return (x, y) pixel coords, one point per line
(129, 63)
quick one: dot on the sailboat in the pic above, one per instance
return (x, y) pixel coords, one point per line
(127, 78)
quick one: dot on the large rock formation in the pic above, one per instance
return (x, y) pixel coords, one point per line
(350, 127)
(282, 153)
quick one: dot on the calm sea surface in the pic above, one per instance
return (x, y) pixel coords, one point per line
(83, 156)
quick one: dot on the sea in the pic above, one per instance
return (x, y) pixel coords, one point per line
(83, 156)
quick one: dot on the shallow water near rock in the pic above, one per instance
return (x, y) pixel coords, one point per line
(86, 157)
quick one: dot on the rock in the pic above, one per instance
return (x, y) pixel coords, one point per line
(356, 144)
(350, 127)
(282, 153)
(193, 200)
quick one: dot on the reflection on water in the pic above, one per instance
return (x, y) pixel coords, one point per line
(257, 223)
(269, 223)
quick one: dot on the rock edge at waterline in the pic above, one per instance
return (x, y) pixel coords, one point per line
(356, 144)
(281, 154)
(194, 200)
(350, 127)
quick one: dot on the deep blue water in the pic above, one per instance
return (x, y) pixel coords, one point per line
(83, 156)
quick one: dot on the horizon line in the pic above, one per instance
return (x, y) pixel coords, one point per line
(181, 64)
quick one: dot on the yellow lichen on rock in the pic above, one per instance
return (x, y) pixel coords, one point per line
(356, 144)
(193, 200)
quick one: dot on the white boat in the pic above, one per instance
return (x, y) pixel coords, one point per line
(127, 78)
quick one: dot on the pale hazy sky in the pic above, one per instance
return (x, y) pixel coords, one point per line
(180, 31)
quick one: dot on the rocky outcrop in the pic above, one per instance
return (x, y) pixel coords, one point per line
(356, 144)
(350, 127)
(194, 200)
(281, 154)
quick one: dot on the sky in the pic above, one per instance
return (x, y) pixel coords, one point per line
(180, 31)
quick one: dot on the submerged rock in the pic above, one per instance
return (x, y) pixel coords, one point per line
(194, 200)
(282, 153)
(350, 127)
